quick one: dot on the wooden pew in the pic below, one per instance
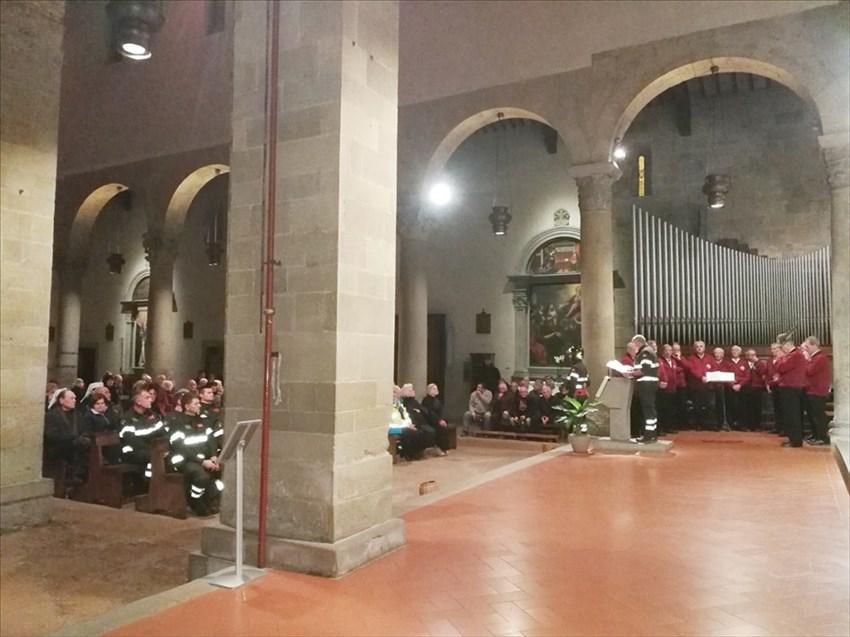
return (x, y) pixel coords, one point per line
(517, 435)
(167, 493)
(105, 484)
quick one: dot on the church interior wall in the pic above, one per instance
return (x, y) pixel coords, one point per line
(467, 265)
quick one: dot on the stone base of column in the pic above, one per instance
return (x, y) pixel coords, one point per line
(26, 504)
(839, 436)
(218, 545)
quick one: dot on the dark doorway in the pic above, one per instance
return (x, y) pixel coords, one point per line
(87, 364)
(214, 358)
(436, 372)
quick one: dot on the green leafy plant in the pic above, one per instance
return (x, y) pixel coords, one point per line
(575, 416)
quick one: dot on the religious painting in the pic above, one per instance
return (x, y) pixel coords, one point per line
(554, 321)
(559, 256)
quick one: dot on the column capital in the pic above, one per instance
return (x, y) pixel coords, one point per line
(594, 184)
(520, 300)
(159, 249)
(836, 155)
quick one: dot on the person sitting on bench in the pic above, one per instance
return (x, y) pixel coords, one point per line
(412, 441)
(64, 438)
(417, 416)
(139, 426)
(432, 407)
(194, 452)
(478, 414)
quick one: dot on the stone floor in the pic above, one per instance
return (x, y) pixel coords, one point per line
(102, 558)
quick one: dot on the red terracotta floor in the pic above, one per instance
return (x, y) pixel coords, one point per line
(730, 536)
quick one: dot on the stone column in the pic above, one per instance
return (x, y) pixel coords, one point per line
(836, 150)
(597, 264)
(68, 332)
(521, 354)
(329, 472)
(30, 69)
(412, 307)
(159, 340)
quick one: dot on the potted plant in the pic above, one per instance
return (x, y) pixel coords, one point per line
(575, 421)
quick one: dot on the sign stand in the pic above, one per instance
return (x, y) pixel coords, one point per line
(236, 443)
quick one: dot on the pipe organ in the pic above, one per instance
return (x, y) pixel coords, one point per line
(687, 289)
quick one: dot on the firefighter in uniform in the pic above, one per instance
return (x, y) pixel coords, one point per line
(212, 414)
(194, 453)
(645, 373)
(578, 382)
(139, 427)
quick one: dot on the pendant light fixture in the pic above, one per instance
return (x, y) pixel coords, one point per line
(500, 217)
(716, 185)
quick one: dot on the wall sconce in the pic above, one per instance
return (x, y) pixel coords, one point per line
(109, 332)
(133, 22)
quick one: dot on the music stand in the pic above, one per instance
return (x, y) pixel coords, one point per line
(721, 379)
(236, 443)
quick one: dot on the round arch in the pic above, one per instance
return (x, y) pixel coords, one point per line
(178, 207)
(458, 134)
(700, 68)
(88, 212)
(538, 241)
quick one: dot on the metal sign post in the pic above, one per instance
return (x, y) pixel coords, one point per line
(236, 443)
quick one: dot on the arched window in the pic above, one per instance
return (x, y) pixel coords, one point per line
(137, 324)
(559, 256)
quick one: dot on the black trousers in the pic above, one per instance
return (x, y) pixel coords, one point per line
(646, 392)
(735, 409)
(702, 401)
(74, 453)
(816, 407)
(751, 398)
(201, 490)
(777, 411)
(666, 402)
(790, 404)
(681, 408)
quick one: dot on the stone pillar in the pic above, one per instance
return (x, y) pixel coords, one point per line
(68, 332)
(159, 340)
(329, 473)
(597, 264)
(836, 150)
(412, 308)
(521, 353)
(30, 68)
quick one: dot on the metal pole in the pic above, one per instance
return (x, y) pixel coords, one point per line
(239, 550)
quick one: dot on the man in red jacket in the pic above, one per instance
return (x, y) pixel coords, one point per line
(791, 370)
(697, 365)
(753, 391)
(735, 412)
(681, 399)
(818, 379)
(666, 396)
(771, 383)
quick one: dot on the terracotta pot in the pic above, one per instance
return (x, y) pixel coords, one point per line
(580, 443)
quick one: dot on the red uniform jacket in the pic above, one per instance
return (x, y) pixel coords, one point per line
(667, 373)
(770, 373)
(681, 383)
(697, 368)
(757, 374)
(792, 369)
(818, 377)
(741, 370)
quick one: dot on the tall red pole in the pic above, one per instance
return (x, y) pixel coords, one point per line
(268, 310)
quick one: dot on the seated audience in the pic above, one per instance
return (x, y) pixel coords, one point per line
(502, 405)
(194, 453)
(478, 414)
(139, 427)
(412, 441)
(432, 407)
(64, 439)
(418, 417)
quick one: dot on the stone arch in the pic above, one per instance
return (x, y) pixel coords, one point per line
(461, 131)
(181, 200)
(542, 239)
(87, 214)
(681, 73)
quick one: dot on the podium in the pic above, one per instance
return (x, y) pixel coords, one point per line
(235, 445)
(616, 394)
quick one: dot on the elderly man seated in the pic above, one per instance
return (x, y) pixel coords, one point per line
(478, 413)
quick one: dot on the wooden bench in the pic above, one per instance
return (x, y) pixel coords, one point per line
(55, 470)
(105, 483)
(393, 440)
(166, 493)
(517, 435)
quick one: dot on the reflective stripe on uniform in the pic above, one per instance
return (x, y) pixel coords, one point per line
(196, 440)
(126, 429)
(176, 436)
(149, 430)
(647, 379)
(177, 458)
(220, 485)
(127, 449)
(650, 424)
(200, 456)
(219, 432)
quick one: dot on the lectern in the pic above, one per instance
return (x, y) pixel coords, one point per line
(235, 444)
(616, 395)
